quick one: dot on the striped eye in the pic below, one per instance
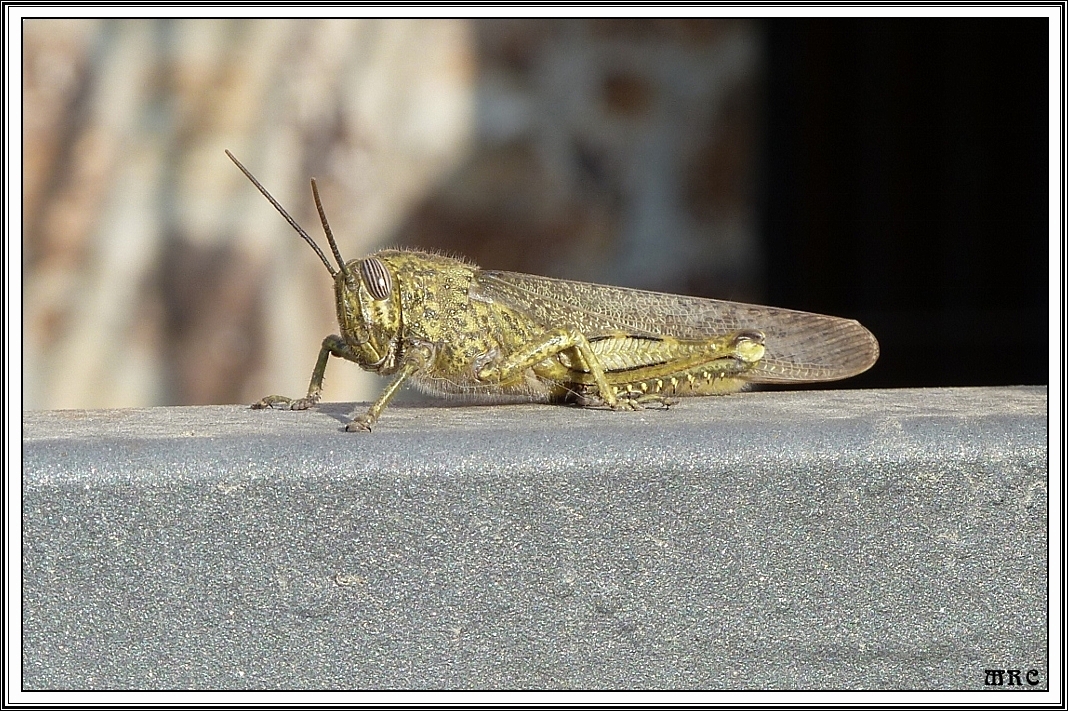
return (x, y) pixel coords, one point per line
(376, 278)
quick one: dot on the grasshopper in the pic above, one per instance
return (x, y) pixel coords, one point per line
(449, 327)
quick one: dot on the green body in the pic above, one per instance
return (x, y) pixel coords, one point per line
(449, 327)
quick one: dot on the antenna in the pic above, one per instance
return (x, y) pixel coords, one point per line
(291, 221)
(327, 230)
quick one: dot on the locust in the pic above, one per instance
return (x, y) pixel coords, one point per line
(449, 327)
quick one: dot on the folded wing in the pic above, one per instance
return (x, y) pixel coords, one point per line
(801, 346)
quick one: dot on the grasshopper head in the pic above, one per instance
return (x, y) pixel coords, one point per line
(368, 308)
(368, 312)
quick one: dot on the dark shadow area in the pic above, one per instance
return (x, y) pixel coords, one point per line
(905, 184)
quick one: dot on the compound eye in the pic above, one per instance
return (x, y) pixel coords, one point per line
(376, 278)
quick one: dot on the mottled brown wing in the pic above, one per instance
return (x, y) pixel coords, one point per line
(801, 347)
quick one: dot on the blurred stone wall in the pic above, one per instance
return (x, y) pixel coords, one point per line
(153, 273)
(610, 150)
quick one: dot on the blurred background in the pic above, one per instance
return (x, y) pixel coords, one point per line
(893, 171)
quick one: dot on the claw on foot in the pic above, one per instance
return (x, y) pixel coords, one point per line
(278, 402)
(360, 423)
(304, 403)
(640, 401)
(281, 402)
(658, 401)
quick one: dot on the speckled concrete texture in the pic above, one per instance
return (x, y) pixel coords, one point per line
(891, 539)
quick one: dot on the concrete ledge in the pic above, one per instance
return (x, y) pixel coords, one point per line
(889, 539)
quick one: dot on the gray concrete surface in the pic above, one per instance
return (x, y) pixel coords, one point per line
(799, 540)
